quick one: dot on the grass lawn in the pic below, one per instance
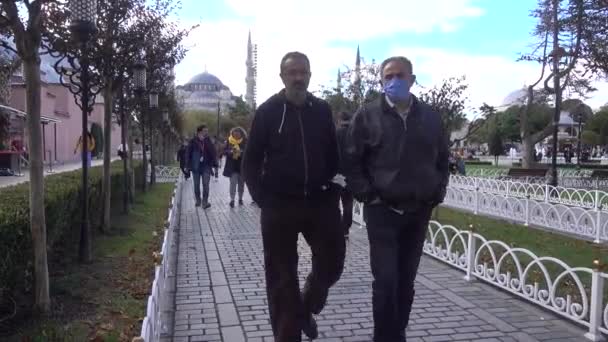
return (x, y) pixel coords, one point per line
(106, 300)
(572, 251)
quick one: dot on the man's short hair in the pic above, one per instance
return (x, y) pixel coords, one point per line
(200, 128)
(294, 55)
(401, 59)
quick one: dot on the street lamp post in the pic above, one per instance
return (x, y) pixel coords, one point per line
(78, 79)
(165, 136)
(123, 142)
(153, 99)
(578, 147)
(139, 83)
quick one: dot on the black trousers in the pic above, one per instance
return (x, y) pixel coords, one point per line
(319, 222)
(396, 242)
(346, 197)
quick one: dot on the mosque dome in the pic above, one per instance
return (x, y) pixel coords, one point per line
(206, 79)
(515, 98)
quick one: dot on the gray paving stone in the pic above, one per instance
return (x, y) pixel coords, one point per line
(220, 291)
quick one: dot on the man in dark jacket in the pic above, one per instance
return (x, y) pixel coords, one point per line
(397, 164)
(345, 195)
(289, 163)
(201, 159)
(181, 158)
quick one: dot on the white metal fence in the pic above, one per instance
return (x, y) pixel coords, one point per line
(165, 174)
(575, 293)
(576, 212)
(156, 323)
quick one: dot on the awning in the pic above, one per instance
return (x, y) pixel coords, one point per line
(22, 114)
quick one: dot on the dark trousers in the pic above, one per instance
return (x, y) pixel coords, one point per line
(319, 222)
(346, 197)
(203, 174)
(396, 242)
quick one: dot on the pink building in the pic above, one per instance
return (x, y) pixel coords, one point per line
(63, 117)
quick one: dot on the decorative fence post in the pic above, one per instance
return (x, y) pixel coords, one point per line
(598, 215)
(596, 308)
(527, 218)
(546, 193)
(470, 251)
(476, 210)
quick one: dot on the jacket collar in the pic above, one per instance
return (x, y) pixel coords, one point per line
(307, 103)
(388, 108)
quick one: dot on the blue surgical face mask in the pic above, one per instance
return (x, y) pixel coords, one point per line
(397, 90)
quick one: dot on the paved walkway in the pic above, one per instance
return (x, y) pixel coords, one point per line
(220, 293)
(70, 166)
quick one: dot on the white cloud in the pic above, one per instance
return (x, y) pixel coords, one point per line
(279, 26)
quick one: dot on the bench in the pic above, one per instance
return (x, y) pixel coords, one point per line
(517, 172)
(602, 174)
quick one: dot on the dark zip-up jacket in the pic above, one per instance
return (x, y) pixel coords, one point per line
(405, 164)
(292, 151)
(194, 153)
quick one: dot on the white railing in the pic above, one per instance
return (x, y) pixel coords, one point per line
(575, 212)
(575, 293)
(496, 173)
(156, 323)
(165, 174)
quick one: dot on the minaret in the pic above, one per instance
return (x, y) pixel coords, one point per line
(251, 73)
(357, 81)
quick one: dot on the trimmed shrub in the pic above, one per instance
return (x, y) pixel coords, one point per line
(63, 208)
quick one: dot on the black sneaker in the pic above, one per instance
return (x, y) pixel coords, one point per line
(206, 205)
(309, 327)
(231, 204)
(198, 203)
(240, 202)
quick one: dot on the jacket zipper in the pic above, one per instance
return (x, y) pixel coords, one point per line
(305, 154)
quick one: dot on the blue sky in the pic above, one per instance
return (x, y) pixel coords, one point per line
(480, 39)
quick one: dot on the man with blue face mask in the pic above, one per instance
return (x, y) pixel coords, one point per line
(396, 163)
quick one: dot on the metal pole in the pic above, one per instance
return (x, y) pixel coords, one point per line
(43, 142)
(152, 149)
(578, 148)
(55, 133)
(85, 237)
(125, 189)
(558, 93)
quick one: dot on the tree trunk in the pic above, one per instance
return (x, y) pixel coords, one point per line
(107, 179)
(37, 214)
(527, 159)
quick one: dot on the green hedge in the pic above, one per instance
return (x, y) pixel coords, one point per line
(63, 212)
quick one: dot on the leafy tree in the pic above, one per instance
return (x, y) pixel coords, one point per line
(449, 100)
(559, 35)
(240, 113)
(23, 24)
(495, 144)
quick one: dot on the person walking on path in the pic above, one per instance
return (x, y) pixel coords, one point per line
(232, 168)
(396, 163)
(181, 158)
(201, 159)
(345, 195)
(90, 147)
(289, 163)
